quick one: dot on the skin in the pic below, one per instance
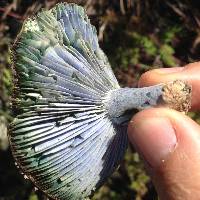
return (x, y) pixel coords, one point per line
(169, 141)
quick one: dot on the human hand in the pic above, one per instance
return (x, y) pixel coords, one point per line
(168, 141)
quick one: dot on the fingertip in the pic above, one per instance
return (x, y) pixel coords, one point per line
(150, 131)
(148, 78)
(160, 75)
(163, 128)
(168, 142)
(189, 73)
(153, 137)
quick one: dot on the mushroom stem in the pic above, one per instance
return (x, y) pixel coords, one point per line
(175, 95)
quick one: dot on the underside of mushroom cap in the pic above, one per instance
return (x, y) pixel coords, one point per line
(62, 137)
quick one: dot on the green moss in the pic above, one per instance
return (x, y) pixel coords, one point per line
(33, 196)
(166, 55)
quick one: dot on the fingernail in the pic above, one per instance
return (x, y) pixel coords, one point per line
(169, 70)
(154, 139)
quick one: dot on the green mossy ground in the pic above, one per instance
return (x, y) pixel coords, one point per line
(137, 36)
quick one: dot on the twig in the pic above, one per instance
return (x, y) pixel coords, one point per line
(177, 10)
(12, 14)
(122, 7)
(101, 30)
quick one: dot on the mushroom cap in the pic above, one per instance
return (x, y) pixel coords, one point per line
(62, 136)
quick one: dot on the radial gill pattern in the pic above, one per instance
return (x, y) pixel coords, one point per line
(62, 136)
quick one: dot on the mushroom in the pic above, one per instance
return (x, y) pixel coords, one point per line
(71, 116)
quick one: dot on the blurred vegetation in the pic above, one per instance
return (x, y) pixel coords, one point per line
(137, 36)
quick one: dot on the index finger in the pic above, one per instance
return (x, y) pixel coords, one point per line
(189, 73)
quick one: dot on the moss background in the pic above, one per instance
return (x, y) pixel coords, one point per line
(137, 36)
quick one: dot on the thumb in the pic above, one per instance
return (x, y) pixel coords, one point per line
(169, 143)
